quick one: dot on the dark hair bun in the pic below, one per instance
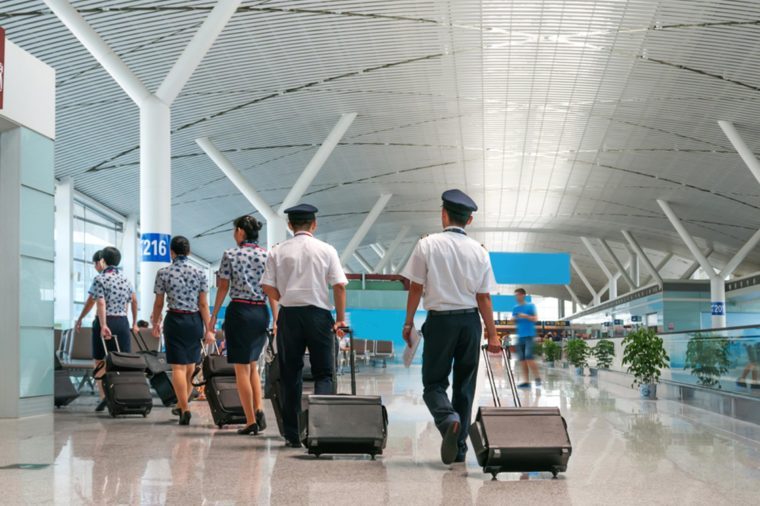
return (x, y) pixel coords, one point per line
(250, 226)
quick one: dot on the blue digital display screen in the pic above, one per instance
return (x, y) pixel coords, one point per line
(531, 268)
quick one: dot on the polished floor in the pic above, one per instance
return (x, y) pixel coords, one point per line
(625, 451)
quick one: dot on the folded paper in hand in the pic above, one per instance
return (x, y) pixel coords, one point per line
(410, 351)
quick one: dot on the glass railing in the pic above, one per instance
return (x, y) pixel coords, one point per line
(725, 359)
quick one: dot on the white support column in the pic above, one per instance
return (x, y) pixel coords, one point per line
(129, 249)
(740, 255)
(378, 249)
(633, 265)
(622, 270)
(361, 232)
(741, 147)
(642, 256)
(594, 294)
(662, 263)
(276, 226)
(64, 252)
(717, 283)
(405, 258)
(317, 161)
(155, 126)
(365, 265)
(612, 282)
(689, 272)
(391, 249)
(575, 298)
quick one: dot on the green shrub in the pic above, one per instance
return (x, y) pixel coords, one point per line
(552, 351)
(577, 352)
(645, 356)
(604, 351)
(538, 349)
(707, 357)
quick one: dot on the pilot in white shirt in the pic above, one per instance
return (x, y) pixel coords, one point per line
(454, 273)
(298, 274)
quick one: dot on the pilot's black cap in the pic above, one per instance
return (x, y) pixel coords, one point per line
(301, 212)
(458, 202)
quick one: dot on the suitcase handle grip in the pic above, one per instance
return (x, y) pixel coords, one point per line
(114, 338)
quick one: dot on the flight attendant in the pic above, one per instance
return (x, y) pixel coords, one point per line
(113, 294)
(97, 264)
(246, 319)
(298, 274)
(454, 273)
(185, 289)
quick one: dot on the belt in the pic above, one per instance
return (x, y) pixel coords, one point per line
(251, 302)
(451, 312)
(181, 311)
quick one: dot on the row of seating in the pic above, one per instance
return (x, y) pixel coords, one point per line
(373, 351)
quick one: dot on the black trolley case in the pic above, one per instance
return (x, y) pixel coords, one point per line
(352, 424)
(221, 390)
(126, 388)
(517, 439)
(158, 371)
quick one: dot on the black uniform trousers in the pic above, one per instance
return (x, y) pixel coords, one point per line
(451, 341)
(299, 328)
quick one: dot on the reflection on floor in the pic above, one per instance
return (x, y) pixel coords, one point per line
(626, 451)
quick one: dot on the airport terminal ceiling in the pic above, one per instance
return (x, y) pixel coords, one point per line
(561, 118)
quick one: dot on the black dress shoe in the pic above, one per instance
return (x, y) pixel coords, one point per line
(176, 412)
(184, 418)
(450, 443)
(292, 444)
(249, 429)
(261, 420)
(101, 405)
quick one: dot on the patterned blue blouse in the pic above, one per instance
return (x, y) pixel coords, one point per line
(244, 266)
(182, 283)
(117, 291)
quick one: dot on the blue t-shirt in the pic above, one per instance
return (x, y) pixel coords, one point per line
(525, 327)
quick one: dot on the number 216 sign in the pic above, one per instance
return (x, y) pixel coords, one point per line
(155, 247)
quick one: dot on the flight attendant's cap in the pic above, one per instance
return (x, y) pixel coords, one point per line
(457, 201)
(301, 212)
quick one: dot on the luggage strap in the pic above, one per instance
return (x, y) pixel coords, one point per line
(510, 376)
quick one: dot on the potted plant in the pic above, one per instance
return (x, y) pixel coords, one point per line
(538, 349)
(604, 352)
(552, 352)
(577, 354)
(645, 356)
(707, 357)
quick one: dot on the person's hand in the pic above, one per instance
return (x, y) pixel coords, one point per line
(494, 346)
(338, 328)
(274, 330)
(78, 325)
(210, 337)
(211, 324)
(135, 329)
(105, 332)
(156, 331)
(406, 333)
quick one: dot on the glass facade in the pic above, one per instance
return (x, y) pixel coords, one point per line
(92, 231)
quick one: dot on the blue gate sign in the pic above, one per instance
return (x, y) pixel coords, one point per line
(155, 247)
(718, 308)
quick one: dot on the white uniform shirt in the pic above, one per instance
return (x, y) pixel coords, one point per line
(452, 267)
(301, 269)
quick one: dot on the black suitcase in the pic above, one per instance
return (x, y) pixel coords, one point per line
(64, 391)
(345, 423)
(517, 439)
(158, 371)
(127, 391)
(221, 390)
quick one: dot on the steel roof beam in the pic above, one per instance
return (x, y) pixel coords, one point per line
(622, 271)
(589, 287)
(361, 232)
(644, 258)
(741, 147)
(689, 272)
(365, 265)
(391, 249)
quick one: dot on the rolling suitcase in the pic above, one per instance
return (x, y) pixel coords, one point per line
(518, 439)
(221, 390)
(64, 391)
(126, 388)
(158, 371)
(345, 423)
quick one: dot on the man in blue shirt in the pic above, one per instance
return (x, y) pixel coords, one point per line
(524, 314)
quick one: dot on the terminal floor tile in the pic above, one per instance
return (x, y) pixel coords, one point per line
(625, 451)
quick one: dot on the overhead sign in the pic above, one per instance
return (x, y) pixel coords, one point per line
(636, 318)
(2, 64)
(618, 322)
(155, 247)
(718, 308)
(531, 268)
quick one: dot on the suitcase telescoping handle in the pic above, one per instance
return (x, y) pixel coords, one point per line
(140, 340)
(114, 338)
(351, 358)
(492, 380)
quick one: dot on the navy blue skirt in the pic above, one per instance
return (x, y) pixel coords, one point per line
(183, 333)
(119, 326)
(245, 330)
